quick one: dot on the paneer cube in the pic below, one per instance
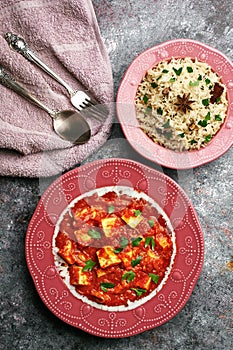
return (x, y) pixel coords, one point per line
(143, 281)
(107, 257)
(107, 225)
(162, 241)
(66, 252)
(126, 257)
(78, 277)
(131, 219)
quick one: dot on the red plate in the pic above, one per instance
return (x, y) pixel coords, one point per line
(181, 280)
(179, 48)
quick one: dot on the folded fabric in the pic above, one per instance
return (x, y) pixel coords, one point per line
(65, 35)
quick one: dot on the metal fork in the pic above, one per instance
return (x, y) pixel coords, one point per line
(79, 99)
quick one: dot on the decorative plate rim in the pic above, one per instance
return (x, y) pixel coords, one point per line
(142, 144)
(185, 271)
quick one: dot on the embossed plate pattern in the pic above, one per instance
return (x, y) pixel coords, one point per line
(222, 141)
(186, 268)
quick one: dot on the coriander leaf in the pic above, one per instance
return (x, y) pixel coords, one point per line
(159, 77)
(155, 278)
(136, 241)
(208, 138)
(202, 123)
(145, 98)
(151, 223)
(182, 135)
(128, 276)
(218, 118)
(124, 242)
(148, 109)
(168, 134)
(136, 261)
(137, 212)
(172, 80)
(94, 234)
(150, 241)
(193, 141)
(154, 85)
(205, 102)
(177, 71)
(105, 286)
(159, 111)
(189, 69)
(207, 81)
(167, 124)
(139, 291)
(111, 209)
(165, 71)
(118, 250)
(200, 77)
(195, 83)
(89, 264)
(207, 117)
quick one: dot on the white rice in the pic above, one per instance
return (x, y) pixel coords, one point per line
(158, 114)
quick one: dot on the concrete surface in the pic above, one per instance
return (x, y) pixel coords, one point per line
(206, 322)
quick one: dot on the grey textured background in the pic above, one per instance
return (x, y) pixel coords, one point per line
(206, 322)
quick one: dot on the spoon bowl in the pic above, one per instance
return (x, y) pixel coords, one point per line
(71, 126)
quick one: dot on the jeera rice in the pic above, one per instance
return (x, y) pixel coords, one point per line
(181, 104)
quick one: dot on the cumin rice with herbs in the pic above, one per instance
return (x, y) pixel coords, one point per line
(181, 104)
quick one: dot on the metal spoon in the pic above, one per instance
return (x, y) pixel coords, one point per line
(68, 124)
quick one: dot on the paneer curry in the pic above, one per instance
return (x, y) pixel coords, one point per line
(116, 247)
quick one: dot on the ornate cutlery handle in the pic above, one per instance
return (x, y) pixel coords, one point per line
(7, 81)
(19, 45)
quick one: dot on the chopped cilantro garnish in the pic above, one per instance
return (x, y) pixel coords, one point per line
(154, 85)
(193, 141)
(150, 241)
(205, 102)
(165, 71)
(167, 124)
(145, 98)
(189, 69)
(172, 80)
(177, 71)
(136, 261)
(168, 134)
(111, 209)
(202, 123)
(207, 81)
(139, 291)
(200, 77)
(155, 278)
(137, 212)
(151, 223)
(194, 83)
(207, 117)
(208, 138)
(136, 241)
(148, 109)
(89, 264)
(182, 135)
(106, 285)
(159, 111)
(128, 276)
(118, 250)
(94, 234)
(159, 77)
(124, 242)
(218, 118)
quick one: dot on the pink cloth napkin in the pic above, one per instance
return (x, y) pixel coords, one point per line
(65, 35)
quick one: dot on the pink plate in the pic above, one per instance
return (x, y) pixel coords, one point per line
(186, 269)
(179, 48)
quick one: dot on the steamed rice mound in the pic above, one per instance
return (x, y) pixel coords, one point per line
(181, 104)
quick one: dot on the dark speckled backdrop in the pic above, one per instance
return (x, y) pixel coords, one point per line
(206, 322)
